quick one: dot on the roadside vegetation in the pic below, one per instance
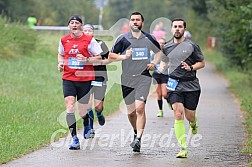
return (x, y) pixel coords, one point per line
(31, 98)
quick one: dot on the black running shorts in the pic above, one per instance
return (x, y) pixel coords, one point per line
(189, 99)
(81, 90)
(159, 78)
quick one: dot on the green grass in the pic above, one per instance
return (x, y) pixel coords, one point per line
(241, 86)
(31, 99)
(30, 102)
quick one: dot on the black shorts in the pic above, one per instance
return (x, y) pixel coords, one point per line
(159, 78)
(99, 91)
(81, 90)
(136, 88)
(190, 100)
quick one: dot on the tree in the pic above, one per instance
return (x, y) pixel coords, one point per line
(232, 20)
(17, 11)
(116, 10)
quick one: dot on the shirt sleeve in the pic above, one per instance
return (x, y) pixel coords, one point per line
(120, 45)
(94, 48)
(60, 48)
(155, 45)
(165, 58)
(105, 50)
(197, 54)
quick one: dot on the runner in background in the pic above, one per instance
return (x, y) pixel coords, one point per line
(76, 53)
(99, 85)
(160, 80)
(32, 21)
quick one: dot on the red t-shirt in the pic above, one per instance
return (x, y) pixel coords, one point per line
(74, 70)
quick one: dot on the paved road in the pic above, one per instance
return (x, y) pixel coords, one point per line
(218, 142)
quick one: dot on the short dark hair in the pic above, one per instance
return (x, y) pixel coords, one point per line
(179, 19)
(137, 13)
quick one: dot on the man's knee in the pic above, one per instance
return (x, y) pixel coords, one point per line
(165, 95)
(132, 114)
(178, 111)
(70, 103)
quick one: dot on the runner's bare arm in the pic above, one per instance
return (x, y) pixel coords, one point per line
(60, 63)
(163, 66)
(194, 67)
(89, 60)
(117, 57)
(156, 60)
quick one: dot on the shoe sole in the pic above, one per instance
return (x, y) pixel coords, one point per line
(136, 150)
(74, 148)
(87, 137)
(182, 156)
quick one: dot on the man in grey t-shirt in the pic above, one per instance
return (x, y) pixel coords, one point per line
(184, 58)
(136, 79)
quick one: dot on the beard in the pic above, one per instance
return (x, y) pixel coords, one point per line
(178, 35)
(136, 29)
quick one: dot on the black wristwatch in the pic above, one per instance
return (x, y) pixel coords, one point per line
(87, 59)
(191, 67)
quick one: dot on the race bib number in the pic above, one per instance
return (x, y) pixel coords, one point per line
(139, 54)
(74, 64)
(172, 84)
(96, 83)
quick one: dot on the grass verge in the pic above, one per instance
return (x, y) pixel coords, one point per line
(31, 99)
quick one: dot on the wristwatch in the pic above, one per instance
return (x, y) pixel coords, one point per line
(87, 59)
(191, 67)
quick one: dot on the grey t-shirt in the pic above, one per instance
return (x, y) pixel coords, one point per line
(137, 63)
(189, 52)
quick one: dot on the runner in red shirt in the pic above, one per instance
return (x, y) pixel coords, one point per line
(76, 53)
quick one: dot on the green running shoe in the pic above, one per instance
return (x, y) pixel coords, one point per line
(194, 126)
(160, 113)
(182, 153)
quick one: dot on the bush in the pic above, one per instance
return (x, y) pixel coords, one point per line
(233, 23)
(17, 40)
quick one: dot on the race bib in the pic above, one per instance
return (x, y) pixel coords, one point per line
(96, 83)
(139, 54)
(74, 64)
(172, 84)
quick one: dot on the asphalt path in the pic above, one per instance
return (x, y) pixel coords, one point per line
(218, 143)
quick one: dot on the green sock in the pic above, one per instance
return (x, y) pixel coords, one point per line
(180, 130)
